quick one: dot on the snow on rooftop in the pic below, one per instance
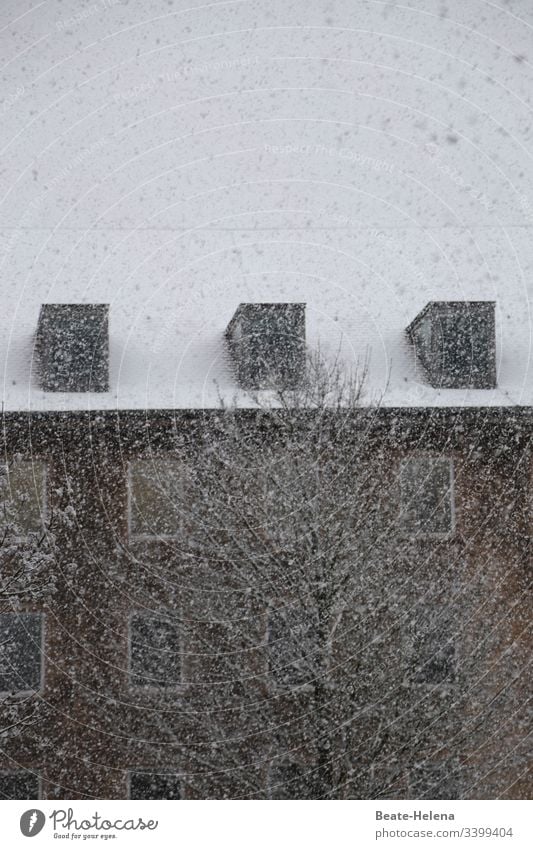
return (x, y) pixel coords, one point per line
(174, 161)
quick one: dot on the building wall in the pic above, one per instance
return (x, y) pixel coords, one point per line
(88, 726)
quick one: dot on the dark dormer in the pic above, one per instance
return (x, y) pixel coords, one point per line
(267, 345)
(73, 347)
(455, 343)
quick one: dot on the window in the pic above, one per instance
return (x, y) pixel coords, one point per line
(291, 646)
(267, 344)
(154, 651)
(154, 495)
(20, 652)
(436, 780)
(155, 785)
(73, 347)
(22, 496)
(434, 660)
(426, 485)
(455, 343)
(288, 781)
(19, 784)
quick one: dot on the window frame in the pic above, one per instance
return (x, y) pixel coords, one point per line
(443, 765)
(155, 771)
(145, 537)
(440, 686)
(21, 694)
(283, 762)
(409, 644)
(176, 687)
(275, 685)
(428, 535)
(37, 775)
(44, 502)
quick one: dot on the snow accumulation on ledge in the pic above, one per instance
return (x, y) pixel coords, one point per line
(162, 359)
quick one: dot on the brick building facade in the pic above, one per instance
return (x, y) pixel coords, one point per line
(95, 705)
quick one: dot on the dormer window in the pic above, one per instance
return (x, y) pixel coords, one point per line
(455, 343)
(73, 347)
(267, 345)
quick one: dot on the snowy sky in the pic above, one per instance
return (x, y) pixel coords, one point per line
(174, 159)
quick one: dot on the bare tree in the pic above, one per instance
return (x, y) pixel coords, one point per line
(319, 638)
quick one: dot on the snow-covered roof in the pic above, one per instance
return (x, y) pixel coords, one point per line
(174, 160)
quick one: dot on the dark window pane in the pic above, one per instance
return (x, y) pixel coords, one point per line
(155, 651)
(291, 646)
(19, 784)
(20, 652)
(22, 492)
(436, 780)
(435, 662)
(151, 785)
(426, 495)
(288, 781)
(154, 496)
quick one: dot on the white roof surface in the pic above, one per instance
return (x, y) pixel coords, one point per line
(175, 159)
